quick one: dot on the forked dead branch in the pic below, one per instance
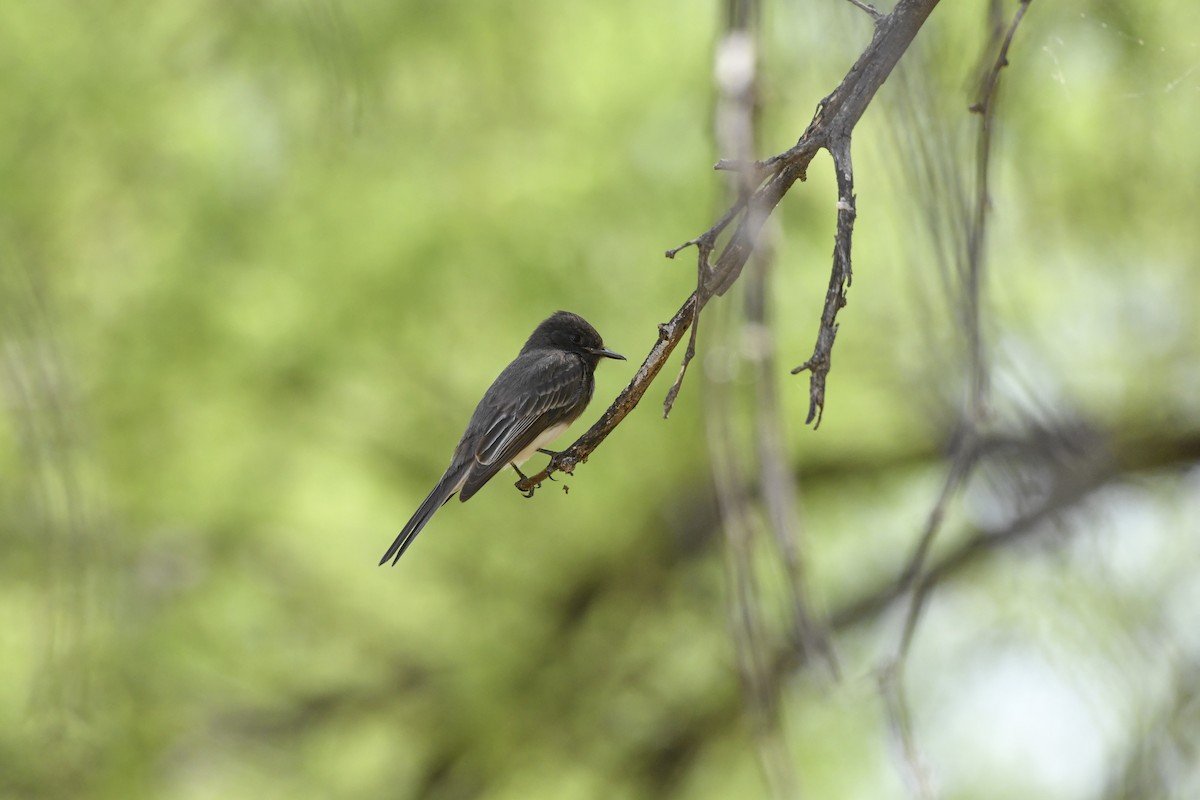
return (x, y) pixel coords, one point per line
(830, 129)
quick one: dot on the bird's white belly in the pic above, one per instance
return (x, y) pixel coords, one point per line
(547, 436)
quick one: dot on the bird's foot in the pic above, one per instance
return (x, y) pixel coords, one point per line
(552, 454)
(523, 485)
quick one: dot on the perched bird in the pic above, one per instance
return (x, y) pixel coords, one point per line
(535, 398)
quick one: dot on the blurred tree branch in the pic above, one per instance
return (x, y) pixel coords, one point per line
(967, 442)
(736, 71)
(1084, 461)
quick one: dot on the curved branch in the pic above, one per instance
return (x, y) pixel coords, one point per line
(830, 129)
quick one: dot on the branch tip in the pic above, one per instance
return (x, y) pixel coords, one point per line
(871, 10)
(674, 251)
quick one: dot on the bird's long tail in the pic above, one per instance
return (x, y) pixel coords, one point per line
(447, 486)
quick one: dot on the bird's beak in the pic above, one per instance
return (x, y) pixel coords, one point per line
(600, 351)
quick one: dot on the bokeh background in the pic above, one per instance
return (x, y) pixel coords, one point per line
(259, 260)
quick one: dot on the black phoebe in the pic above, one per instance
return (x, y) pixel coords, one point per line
(535, 398)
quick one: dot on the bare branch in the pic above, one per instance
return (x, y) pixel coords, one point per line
(991, 80)
(985, 107)
(911, 578)
(839, 279)
(830, 128)
(688, 355)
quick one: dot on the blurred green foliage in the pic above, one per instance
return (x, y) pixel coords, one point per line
(260, 259)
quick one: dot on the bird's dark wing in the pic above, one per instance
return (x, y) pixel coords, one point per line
(520, 406)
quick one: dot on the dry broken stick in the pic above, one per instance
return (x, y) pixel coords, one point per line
(839, 280)
(830, 129)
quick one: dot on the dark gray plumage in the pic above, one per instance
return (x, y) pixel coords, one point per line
(535, 398)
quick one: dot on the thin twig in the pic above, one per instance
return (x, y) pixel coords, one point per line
(840, 278)
(985, 107)
(911, 579)
(991, 80)
(702, 272)
(706, 241)
(756, 170)
(867, 7)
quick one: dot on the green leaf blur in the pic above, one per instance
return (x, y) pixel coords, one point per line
(261, 259)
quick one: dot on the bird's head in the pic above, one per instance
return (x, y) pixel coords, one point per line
(563, 330)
